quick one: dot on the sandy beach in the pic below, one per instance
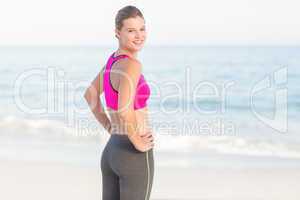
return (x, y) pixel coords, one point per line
(44, 180)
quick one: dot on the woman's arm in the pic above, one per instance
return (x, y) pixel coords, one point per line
(131, 71)
(92, 96)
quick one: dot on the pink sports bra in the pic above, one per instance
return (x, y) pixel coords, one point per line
(111, 95)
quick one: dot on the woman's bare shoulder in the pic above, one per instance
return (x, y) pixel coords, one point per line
(130, 64)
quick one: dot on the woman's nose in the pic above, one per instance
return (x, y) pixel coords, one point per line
(138, 35)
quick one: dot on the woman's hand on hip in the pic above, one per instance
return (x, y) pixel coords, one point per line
(144, 142)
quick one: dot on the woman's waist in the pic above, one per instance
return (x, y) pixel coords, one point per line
(125, 130)
(121, 142)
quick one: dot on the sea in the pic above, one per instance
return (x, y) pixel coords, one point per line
(210, 106)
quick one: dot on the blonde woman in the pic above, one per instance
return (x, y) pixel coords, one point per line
(127, 163)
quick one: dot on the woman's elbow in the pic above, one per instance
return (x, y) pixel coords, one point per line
(89, 95)
(86, 95)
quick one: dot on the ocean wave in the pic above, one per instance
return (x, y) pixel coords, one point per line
(237, 145)
(45, 130)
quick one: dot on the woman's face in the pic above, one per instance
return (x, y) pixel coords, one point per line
(132, 35)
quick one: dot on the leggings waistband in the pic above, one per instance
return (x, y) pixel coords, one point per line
(122, 141)
(120, 138)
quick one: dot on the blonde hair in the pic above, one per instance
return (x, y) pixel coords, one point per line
(125, 13)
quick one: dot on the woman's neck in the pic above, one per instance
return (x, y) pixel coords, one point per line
(124, 51)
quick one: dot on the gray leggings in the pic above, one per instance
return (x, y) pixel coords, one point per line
(127, 174)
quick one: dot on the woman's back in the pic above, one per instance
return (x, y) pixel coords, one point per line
(114, 70)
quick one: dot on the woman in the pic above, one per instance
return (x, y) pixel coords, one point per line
(127, 163)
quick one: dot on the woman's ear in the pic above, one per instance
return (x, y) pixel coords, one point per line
(117, 34)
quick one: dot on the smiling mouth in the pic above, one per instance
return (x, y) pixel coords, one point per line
(138, 42)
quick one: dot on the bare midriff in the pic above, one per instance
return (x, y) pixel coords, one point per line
(142, 118)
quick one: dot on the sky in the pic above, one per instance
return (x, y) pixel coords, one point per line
(168, 22)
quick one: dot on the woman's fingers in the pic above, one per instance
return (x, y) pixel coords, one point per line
(148, 134)
(148, 139)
